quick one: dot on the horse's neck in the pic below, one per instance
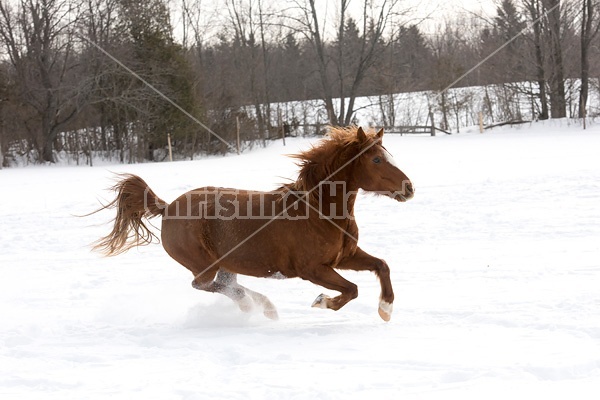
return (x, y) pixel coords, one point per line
(337, 199)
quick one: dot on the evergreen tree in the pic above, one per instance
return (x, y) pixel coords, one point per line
(145, 28)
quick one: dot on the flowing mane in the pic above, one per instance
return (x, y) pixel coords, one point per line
(324, 161)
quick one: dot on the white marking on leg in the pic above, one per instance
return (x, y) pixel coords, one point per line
(246, 304)
(268, 307)
(385, 306)
(320, 301)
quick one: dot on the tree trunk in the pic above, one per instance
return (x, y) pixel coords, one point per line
(322, 67)
(48, 146)
(557, 80)
(444, 103)
(350, 111)
(586, 38)
(583, 95)
(263, 133)
(341, 70)
(539, 59)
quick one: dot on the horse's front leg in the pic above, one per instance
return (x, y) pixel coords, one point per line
(362, 261)
(325, 276)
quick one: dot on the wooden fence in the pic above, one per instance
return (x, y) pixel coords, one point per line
(320, 129)
(413, 129)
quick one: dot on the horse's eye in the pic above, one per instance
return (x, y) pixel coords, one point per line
(377, 160)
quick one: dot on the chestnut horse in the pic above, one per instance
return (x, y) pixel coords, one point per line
(304, 229)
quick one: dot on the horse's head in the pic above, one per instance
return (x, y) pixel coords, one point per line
(376, 171)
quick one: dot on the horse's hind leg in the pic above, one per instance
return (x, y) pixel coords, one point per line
(224, 283)
(229, 280)
(215, 280)
(269, 309)
(209, 279)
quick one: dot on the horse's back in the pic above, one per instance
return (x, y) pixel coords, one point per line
(250, 232)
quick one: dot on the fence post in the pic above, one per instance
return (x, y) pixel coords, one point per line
(237, 133)
(432, 124)
(170, 148)
(280, 126)
(480, 122)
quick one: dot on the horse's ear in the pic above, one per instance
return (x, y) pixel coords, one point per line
(380, 134)
(360, 134)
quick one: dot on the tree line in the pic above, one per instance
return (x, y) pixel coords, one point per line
(91, 78)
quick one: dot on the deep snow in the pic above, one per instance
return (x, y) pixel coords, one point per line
(495, 264)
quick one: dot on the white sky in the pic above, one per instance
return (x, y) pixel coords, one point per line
(433, 11)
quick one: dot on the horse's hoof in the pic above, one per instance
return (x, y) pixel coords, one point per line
(320, 301)
(246, 304)
(385, 310)
(271, 314)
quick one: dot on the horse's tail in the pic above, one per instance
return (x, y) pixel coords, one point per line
(135, 200)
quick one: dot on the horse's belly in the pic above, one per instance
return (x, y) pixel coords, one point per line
(259, 248)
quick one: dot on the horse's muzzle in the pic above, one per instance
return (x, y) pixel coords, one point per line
(407, 193)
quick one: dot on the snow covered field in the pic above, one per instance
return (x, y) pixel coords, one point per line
(495, 264)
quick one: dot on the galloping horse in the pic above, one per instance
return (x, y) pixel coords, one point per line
(303, 229)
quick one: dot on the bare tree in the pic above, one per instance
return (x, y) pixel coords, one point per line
(248, 20)
(374, 19)
(534, 10)
(309, 25)
(557, 78)
(449, 54)
(589, 30)
(39, 39)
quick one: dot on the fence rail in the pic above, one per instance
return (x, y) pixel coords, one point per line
(413, 129)
(319, 129)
